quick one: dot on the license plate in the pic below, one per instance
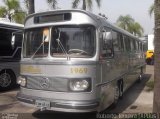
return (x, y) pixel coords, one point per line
(42, 103)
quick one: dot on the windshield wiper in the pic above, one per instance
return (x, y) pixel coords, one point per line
(61, 46)
(37, 50)
(45, 39)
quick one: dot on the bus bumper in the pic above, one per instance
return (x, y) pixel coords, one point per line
(59, 105)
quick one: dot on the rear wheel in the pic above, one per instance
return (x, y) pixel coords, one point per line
(116, 96)
(140, 76)
(7, 80)
(118, 93)
(120, 84)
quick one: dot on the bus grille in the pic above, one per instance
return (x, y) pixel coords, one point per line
(48, 84)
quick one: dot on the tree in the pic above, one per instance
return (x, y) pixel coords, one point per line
(128, 23)
(151, 10)
(156, 100)
(136, 29)
(13, 11)
(125, 22)
(86, 4)
(30, 5)
(53, 3)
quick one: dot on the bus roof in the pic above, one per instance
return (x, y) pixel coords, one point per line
(99, 19)
(10, 25)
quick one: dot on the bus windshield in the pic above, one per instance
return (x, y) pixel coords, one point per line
(65, 41)
(36, 42)
(74, 41)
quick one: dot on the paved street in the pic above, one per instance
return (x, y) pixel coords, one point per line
(136, 100)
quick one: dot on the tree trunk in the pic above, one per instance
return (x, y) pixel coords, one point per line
(84, 5)
(31, 8)
(156, 101)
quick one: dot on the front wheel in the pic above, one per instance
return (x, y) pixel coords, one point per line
(118, 93)
(116, 96)
(7, 80)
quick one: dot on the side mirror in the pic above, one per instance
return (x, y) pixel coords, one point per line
(13, 41)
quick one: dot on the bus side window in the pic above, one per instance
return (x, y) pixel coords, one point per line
(141, 48)
(121, 42)
(107, 46)
(16, 40)
(117, 41)
(127, 44)
(132, 44)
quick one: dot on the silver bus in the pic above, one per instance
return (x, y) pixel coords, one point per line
(10, 53)
(75, 61)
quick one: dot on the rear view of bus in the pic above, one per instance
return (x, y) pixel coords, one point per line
(58, 66)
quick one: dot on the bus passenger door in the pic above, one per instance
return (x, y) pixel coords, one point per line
(106, 61)
(106, 55)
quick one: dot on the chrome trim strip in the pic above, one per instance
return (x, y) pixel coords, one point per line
(26, 99)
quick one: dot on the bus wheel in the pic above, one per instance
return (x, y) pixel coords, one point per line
(7, 80)
(120, 84)
(116, 96)
(140, 76)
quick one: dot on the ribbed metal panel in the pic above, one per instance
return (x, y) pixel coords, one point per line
(48, 84)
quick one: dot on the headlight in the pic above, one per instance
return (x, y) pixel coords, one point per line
(21, 81)
(80, 85)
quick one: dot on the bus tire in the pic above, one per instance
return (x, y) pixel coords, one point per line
(120, 84)
(116, 96)
(140, 76)
(7, 80)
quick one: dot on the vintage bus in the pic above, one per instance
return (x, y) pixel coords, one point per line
(75, 61)
(10, 53)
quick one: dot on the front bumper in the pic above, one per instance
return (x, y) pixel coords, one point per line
(61, 105)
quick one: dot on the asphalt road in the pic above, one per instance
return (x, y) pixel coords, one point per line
(136, 100)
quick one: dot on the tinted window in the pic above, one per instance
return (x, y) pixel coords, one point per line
(127, 43)
(77, 41)
(35, 43)
(115, 41)
(6, 48)
(107, 45)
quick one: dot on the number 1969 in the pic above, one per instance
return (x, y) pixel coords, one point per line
(79, 70)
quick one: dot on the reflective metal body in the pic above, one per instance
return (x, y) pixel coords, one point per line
(9, 55)
(49, 79)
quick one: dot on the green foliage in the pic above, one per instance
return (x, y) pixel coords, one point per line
(19, 17)
(86, 4)
(128, 23)
(13, 11)
(150, 85)
(151, 9)
(12, 4)
(3, 11)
